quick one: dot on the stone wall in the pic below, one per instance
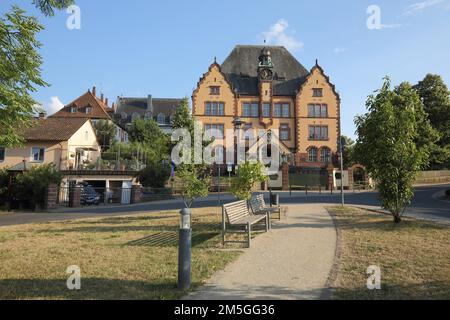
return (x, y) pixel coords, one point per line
(441, 176)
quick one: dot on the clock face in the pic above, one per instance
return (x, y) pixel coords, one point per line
(266, 74)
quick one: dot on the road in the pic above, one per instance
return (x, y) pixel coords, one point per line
(424, 205)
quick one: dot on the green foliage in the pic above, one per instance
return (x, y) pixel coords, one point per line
(348, 152)
(33, 184)
(248, 174)
(193, 183)
(106, 132)
(182, 118)
(20, 69)
(20, 74)
(148, 135)
(4, 181)
(389, 143)
(154, 175)
(47, 6)
(435, 97)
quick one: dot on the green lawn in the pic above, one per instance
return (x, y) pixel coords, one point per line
(132, 257)
(414, 256)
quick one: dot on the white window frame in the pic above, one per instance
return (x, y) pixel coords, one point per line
(32, 155)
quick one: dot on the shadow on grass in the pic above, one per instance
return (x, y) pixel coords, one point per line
(434, 290)
(124, 228)
(91, 288)
(170, 239)
(361, 220)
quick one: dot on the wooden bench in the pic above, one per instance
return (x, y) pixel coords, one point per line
(237, 214)
(258, 206)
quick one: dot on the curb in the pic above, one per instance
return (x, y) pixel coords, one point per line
(327, 292)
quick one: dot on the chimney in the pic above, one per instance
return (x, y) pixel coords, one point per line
(41, 115)
(113, 107)
(106, 101)
(101, 97)
(94, 90)
(150, 103)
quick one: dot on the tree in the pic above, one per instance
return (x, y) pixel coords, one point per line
(20, 69)
(149, 135)
(435, 97)
(349, 146)
(47, 6)
(106, 133)
(182, 117)
(248, 174)
(389, 143)
(193, 184)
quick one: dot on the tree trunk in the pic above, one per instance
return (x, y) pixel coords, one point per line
(397, 218)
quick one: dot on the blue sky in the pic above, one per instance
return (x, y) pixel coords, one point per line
(141, 47)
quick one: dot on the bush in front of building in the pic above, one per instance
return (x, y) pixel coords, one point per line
(4, 179)
(155, 175)
(30, 188)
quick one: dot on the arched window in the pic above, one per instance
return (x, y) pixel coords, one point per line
(325, 154)
(148, 115)
(161, 118)
(312, 154)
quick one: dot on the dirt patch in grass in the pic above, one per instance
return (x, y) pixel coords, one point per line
(414, 256)
(132, 257)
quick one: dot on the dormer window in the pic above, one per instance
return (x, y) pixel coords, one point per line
(161, 118)
(88, 110)
(214, 90)
(73, 109)
(317, 92)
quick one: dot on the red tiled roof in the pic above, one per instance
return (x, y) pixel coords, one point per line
(99, 109)
(53, 129)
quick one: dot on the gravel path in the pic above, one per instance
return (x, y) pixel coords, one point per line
(293, 261)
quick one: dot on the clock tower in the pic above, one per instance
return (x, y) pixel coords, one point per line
(265, 77)
(265, 66)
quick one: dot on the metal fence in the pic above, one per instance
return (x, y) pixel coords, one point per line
(100, 197)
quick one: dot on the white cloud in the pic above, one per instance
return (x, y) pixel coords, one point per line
(420, 6)
(277, 35)
(340, 50)
(53, 106)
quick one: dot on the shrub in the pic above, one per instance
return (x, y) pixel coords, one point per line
(248, 174)
(155, 175)
(4, 180)
(32, 185)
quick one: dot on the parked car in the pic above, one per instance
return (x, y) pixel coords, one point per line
(88, 195)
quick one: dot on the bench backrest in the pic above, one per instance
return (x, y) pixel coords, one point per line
(236, 210)
(256, 204)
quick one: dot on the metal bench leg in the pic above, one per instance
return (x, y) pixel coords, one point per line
(249, 234)
(223, 227)
(268, 226)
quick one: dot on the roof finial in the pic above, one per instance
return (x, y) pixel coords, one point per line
(264, 40)
(317, 62)
(215, 59)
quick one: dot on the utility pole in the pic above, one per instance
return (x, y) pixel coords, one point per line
(342, 170)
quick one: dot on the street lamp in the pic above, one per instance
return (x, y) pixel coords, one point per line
(184, 250)
(237, 122)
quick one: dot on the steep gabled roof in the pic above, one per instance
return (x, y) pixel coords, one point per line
(99, 109)
(241, 70)
(140, 106)
(53, 129)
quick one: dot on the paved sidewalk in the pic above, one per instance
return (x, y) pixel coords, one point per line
(293, 261)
